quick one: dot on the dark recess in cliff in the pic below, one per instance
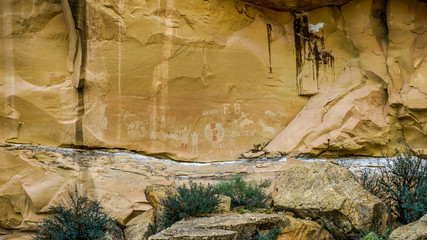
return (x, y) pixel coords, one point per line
(269, 45)
(296, 5)
(78, 9)
(378, 19)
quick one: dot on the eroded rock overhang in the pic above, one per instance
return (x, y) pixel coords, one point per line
(296, 5)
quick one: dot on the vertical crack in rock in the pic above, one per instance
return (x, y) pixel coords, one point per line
(76, 19)
(79, 139)
(313, 62)
(78, 10)
(269, 46)
(71, 14)
(378, 19)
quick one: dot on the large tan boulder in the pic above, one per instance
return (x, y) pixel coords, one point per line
(414, 231)
(301, 229)
(330, 195)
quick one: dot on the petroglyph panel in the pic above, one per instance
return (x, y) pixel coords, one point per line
(206, 80)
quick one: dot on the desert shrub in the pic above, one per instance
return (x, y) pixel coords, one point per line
(184, 202)
(242, 193)
(401, 185)
(370, 181)
(375, 236)
(78, 219)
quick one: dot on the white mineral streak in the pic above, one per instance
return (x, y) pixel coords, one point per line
(159, 87)
(315, 27)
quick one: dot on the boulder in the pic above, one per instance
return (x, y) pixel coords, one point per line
(290, 163)
(330, 195)
(303, 230)
(138, 228)
(226, 226)
(416, 230)
(154, 194)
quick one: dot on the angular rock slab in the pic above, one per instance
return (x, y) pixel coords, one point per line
(227, 226)
(195, 234)
(302, 229)
(416, 230)
(330, 195)
(154, 194)
(138, 227)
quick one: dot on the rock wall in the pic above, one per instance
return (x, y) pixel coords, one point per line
(206, 80)
(379, 98)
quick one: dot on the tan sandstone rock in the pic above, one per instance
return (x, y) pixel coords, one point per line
(155, 193)
(290, 163)
(225, 204)
(416, 230)
(301, 229)
(330, 195)
(35, 178)
(138, 228)
(227, 226)
(206, 81)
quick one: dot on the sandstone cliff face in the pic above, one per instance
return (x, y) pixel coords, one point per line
(205, 80)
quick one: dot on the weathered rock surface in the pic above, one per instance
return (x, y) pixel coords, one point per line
(244, 226)
(369, 103)
(207, 80)
(34, 178)
(225, 204)
(155, 193)
(195, 234)
(296, 5)
(302, 230)
(416, 230)
(330, 195)
(138, 227)
(227, 226)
